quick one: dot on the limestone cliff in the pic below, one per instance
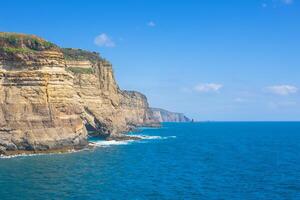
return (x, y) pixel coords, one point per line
(38, 106)
(162, 115)
(136, 109)
(99, 94)
(49, 96)
(108, 111)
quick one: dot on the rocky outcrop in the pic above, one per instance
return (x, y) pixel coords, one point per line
(136, 109)
(28, 52)
(38, 105)
(98, 92)
(108, 111)
(162, 115)
(49, 96)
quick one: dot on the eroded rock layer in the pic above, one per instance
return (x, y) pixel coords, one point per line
(136, 109)
(107, 109)
(38, 106)
(99, 96)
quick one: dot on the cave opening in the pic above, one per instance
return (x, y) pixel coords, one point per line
(93, 133)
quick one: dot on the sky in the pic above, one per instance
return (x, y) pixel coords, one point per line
(222, 60)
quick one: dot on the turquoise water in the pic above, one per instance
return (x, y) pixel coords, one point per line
(179, 161)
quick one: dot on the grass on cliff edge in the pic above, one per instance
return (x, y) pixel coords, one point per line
(80, 70)
(15, 50)
(80, 54)
(16, 41)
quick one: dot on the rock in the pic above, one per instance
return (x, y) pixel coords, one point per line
(136, 109)
(38, 105)
(123, 137)
(108, 110)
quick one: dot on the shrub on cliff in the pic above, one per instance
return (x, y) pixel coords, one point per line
(16, 42)
(79, 54)
(79, 70)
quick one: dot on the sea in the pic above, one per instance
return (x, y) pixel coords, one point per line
(205, 160)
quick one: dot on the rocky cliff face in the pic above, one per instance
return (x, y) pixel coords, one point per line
(162, 115)
(49, 95)
(99, 94)
(136, 109)
(106, 107)
(38, 105)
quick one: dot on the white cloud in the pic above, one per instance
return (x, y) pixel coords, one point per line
(282, 90)
(151, 24)
(104, 40)
(208, 87)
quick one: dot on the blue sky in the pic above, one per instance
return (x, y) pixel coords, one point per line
(212, 59)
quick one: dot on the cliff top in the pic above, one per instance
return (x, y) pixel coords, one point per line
(30, 50)
(134, 93)
(22, 43)
(80, 54)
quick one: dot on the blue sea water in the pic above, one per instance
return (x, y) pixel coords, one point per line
(243, 160)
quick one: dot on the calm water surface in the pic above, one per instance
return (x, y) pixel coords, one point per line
(179, 161)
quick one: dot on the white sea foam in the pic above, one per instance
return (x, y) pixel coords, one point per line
(153, 137)
(104, 143)
(99, 143)
(38, 154)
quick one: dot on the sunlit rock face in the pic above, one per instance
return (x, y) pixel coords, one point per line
(136, 109)
(98, 92)
(107, 109)
(39, 109)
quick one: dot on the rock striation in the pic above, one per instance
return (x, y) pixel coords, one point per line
(162, 115)
(136, 109)
(51, 96)
(38, 106)
(98, 92)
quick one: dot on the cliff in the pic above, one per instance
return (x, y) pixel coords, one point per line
(49, 96)
(162, 115)
(108, 110)
(136, 109)
(38, 107)
(99, 94)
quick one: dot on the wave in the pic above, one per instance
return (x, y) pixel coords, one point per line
(153, 137)
(39, 154)
(104, 143)
(99, 143)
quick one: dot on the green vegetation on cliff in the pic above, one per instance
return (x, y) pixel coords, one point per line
(15, 50)
(14, 42)
(80, 70)
(80, 54)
